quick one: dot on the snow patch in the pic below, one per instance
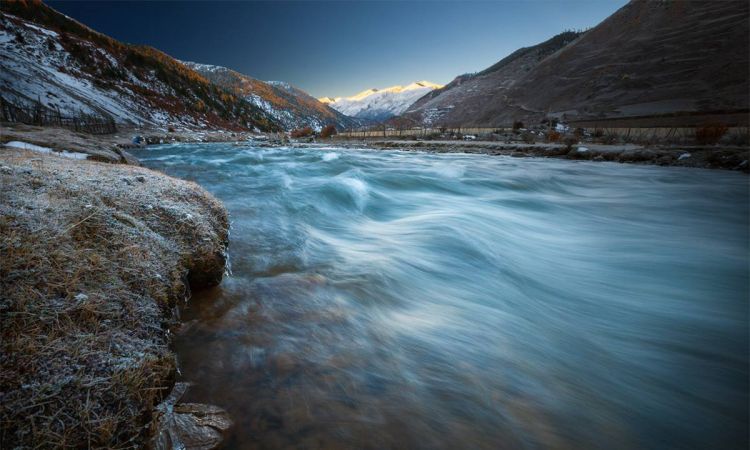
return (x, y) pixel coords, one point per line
(45, 150)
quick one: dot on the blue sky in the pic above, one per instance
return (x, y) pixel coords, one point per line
(339, 48)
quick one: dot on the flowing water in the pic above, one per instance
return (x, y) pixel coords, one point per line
(385, 299)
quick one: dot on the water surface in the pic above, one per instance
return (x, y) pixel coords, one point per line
(385, 299)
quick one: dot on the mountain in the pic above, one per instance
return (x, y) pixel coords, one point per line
(381, 104)
(468, 97)
(49, 58)
(288, 105)
(649, 59)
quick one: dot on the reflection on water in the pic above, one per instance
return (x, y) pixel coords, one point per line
(405, 300)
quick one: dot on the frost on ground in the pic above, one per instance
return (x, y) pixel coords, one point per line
(45, 150)
(94, 259)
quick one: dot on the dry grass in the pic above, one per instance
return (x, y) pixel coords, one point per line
(710, 134)
(93, 260)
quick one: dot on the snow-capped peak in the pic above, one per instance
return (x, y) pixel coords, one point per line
(379, 104)
(328, 100)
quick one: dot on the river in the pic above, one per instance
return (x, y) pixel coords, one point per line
(387, 299)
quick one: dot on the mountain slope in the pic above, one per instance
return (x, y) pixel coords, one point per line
(649, 58)
(381, 104)
(290, 106)
(50, 58)
(468, 98)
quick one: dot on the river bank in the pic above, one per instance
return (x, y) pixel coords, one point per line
(707, 157)
(95, 259)
(114, 148)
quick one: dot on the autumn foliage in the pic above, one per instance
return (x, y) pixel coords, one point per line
(328, 131)
(302, 132)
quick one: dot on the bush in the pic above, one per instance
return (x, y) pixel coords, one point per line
(740, 138)
(553, 136)
(517, 125)
(328, 131)
(570, 141)
(528, 138)
(710, 134)
(302, 132)
(171, 130)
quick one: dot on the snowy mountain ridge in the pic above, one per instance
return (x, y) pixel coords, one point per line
(50, 60)
(381, 104)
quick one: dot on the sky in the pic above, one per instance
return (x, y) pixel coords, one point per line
(339, 48)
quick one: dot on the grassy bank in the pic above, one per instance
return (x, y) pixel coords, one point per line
(94, 258)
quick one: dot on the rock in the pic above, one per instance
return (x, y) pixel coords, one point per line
(127, 181)
(683, 156)
(141, 178)
(665, 160)
(6, 169)
(199, 426)
(189, 426)
(637, 155)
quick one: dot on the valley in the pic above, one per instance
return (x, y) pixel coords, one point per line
(550, 250)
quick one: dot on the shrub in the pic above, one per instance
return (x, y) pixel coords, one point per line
(740, 138)
(710, 134)
(171, 130)
(328, 131)
(570, 141)
(528, 138)
(302, 132)
(517, 125)
(553, 136)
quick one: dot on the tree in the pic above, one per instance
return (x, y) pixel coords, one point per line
(328, 131)
(302, 132)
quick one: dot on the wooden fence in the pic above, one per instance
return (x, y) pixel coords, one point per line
(599, 130)
(43, 116)
(418, 131)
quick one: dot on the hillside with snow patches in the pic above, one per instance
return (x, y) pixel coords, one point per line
(49, 58)
(650, 59)
(381, 104)
(288, 105)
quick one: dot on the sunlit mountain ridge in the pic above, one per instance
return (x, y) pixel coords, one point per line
(379, 104)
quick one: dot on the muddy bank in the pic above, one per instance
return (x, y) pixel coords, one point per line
(94, 260)
(710, 157)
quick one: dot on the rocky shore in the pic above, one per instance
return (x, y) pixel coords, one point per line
(94, 260)
(710, 157)
(111, 148)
